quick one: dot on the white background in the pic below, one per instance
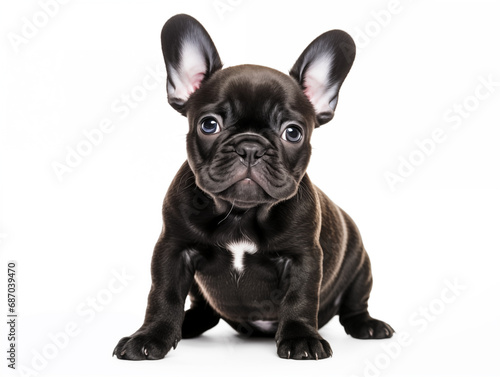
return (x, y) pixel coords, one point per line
(437, 227)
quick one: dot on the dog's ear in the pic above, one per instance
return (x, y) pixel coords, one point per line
(321, 70)
(190, 58)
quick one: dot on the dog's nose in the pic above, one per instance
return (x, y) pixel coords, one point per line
(250, 152)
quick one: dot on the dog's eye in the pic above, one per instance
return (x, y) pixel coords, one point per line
(292, 134)
(210, 126)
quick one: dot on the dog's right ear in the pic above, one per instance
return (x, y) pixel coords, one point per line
(321, 70)
(190, 57)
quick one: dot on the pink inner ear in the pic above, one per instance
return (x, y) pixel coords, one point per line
(195, 82)
(308, 93)
(318, 94)
(313, 89)
(316, 84)
(188, 77)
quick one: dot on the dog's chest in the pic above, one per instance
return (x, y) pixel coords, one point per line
(238, 278)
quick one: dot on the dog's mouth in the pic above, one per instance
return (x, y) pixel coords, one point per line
(245, 186)
(247, 183)
(246, 193)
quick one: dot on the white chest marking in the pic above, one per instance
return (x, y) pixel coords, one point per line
(238, 249)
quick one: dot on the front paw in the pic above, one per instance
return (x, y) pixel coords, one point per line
(365, 327)
(144, 346)
(304, 348)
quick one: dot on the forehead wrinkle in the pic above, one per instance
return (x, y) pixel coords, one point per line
(261, 111)
(257, 95)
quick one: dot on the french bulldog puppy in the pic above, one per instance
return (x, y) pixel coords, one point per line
(245, 232)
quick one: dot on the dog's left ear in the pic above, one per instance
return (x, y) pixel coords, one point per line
(190, 58)
(321, 70)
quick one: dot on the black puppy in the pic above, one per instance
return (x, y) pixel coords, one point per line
(245, 232)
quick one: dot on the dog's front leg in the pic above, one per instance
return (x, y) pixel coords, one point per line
(297, 336)
(172, 275)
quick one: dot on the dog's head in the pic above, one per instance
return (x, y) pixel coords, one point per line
(250, 126)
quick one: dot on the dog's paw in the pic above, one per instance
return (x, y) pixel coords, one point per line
(144, 347)
(306, 348)
(368, 328)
